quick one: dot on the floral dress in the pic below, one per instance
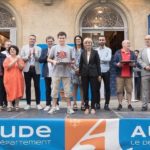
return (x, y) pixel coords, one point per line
(76, 79)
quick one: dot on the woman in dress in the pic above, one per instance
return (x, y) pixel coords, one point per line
(76, 79)
(13, 77)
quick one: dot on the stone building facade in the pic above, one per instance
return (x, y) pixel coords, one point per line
(116, 19)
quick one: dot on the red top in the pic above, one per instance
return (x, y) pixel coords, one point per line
(125, 72)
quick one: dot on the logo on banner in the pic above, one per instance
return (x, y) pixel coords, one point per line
(91, 134)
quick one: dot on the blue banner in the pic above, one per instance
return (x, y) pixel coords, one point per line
(32, 134)
(134, 134)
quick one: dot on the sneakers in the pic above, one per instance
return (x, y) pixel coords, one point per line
(106, 107)
(57, 107)
(130, 107)
(1, 108)
(27, 107)
(17, 109)
(39, 107)
(144, 108)
(52, 110)
(70, 111)
(119, 107)
(9, 109)
(47, 108)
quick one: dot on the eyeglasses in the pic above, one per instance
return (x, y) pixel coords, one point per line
(147, 39)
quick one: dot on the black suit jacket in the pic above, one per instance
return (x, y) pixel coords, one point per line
(92, 68)
(2, 58)
(43, 59)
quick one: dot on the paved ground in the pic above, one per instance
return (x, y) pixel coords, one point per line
(100, 114)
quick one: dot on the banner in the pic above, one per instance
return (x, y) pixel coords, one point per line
(92, 134)
(75, 134)
(32, 134)
(134, 134)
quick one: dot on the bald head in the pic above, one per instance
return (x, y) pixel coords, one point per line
(126, 44)
(147, 40)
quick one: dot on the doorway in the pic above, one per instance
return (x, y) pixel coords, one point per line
(113, 38)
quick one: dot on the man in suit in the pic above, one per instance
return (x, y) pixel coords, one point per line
(30, 53)
(144, 61)
(89, 69)
(47, 71)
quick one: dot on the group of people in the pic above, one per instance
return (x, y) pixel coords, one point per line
(80, 66)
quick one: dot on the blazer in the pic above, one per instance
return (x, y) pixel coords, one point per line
(43, 59)
(2, 58)
(91, 69)
(143, 61)
(25, 52)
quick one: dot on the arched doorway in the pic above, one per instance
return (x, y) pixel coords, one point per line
(109, 20)
(104, 20)
(7, 26)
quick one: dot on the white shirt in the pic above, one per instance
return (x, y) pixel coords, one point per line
(32, 59)
(50, 69)
(6, 53)
(105, 55)
(148, 54)
(50, 66)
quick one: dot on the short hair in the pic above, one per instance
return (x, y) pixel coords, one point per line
(88, 39)
(32, 35)
(136, 51)
(50, 37)
(15, 47)
(8, 41)
(102, 36)
(61, 34)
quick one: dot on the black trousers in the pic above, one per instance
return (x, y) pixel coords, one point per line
(92, 81)
(48, 81)
(137, 84)
(31, 74)
(106, 79)
(3, 100)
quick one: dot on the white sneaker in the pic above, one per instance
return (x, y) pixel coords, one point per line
(1, 108)
(52, 110)
(39, 107)
(57, 107)
(47, 108)
(70, 111)
(27, 107)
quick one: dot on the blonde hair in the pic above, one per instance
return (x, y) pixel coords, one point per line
(87, 39)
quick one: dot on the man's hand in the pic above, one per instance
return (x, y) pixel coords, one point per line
(54, 62)
(132, 64)
(120, 65)
(147, 68)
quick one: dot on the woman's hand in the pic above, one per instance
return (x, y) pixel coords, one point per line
(99, 78)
